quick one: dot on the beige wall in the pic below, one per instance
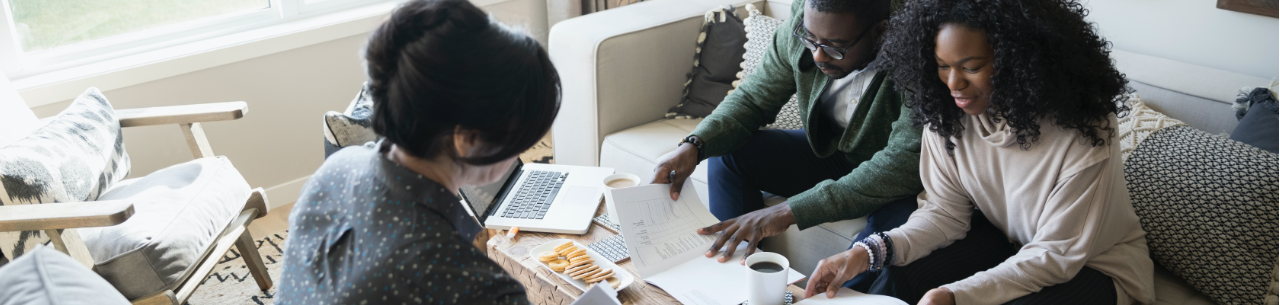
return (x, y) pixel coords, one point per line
(278, 143)
(1191, 31)
(278, 140)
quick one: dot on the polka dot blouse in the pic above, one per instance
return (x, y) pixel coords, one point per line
(368, 231)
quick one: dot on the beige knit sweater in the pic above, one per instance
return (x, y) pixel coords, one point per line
(1064, 201)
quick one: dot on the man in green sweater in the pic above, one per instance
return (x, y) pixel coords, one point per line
(859, 152)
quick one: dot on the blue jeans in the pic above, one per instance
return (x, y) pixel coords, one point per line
(781, 162)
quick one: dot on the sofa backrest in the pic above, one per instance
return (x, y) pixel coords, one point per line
(1200, 96)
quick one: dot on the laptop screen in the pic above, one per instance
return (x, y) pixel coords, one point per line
(482, 198)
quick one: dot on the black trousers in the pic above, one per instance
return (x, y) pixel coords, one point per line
(984, 247)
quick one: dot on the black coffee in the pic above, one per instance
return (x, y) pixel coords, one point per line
(766, 267)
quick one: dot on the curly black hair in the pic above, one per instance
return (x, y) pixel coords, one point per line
(1049, 63)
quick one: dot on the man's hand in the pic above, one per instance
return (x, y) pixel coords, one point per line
(835, 270)
(938, 296)
(682, 160)
(751, 227)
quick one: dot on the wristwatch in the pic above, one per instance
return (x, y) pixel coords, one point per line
(692, 140)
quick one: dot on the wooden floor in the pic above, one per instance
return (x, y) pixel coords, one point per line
(277, 220)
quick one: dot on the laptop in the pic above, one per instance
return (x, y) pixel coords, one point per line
(539, 198)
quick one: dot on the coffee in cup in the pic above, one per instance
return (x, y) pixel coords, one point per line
(617, 181)
(766, 278)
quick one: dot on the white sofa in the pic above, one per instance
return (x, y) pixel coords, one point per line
(623, 68)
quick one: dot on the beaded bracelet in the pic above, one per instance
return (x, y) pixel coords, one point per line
(871, 254)
(888, 243)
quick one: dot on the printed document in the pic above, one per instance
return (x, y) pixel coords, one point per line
(667, 250)
(850, 296)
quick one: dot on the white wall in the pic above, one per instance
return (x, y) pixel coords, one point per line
(1192, 31)
(278, 143)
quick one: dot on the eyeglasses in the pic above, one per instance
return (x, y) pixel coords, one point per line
(838, 54)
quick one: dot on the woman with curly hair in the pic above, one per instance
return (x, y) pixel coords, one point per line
(1025, 199)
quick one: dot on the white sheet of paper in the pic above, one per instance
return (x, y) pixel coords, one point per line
(662, 233)
(598, 295)
(850, 296)
(707, 281)
(667, 250)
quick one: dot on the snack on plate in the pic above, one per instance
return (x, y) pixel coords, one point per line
(599, 277)
(566, 251)
(575, 263)
(547, 256)
(614, 281)
(582, 270)
(558, 265)
(564, 245)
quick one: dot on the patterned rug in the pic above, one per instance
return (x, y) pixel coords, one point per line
(230, 282)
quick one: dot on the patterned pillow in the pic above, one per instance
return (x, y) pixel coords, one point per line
(715, 64)
(73, 158)
(760, 30)
(1208, 205)
(351, 127)
(1139, 124)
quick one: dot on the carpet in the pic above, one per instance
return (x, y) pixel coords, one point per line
(230, 282)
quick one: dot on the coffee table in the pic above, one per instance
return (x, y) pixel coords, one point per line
(544, 287)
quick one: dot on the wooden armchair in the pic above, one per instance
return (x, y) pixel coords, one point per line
(60, 220)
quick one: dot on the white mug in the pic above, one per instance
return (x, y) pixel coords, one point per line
(616, 181)
(767, 287)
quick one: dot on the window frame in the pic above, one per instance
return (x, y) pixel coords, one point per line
(16, 64)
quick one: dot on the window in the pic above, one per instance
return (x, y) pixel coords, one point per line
(38, 36)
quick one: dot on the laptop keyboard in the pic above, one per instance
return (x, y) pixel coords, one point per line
(535, 195)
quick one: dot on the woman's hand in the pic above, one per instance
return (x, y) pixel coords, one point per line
(938, 296)
(835, 270)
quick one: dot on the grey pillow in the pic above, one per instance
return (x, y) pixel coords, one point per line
(1208, 205)
(350, 127)
(73, 158)
(179, 211)
(1258, 120)
(760, 31)
(46, 276)
(716, 63)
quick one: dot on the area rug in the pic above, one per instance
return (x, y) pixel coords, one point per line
(230, 282)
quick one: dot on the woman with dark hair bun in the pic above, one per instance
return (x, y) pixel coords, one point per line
(456, 98)
(1025, 199)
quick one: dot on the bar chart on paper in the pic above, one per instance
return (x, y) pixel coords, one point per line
(662, 233)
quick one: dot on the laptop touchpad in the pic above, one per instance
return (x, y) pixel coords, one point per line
(581, 195)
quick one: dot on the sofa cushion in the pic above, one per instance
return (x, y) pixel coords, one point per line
(715, 64)
(1139, 123)
(760, 31)
(73, 158)
(1258, 119)
(46, 276)
(179, 211)
(1208, 205)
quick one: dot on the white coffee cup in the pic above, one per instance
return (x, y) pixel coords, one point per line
(767, 286)
(616, 181)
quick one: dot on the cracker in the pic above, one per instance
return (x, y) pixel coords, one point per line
(599, 276)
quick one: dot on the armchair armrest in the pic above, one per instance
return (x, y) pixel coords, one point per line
(51, 216)
(183, 114)
(621, 68)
